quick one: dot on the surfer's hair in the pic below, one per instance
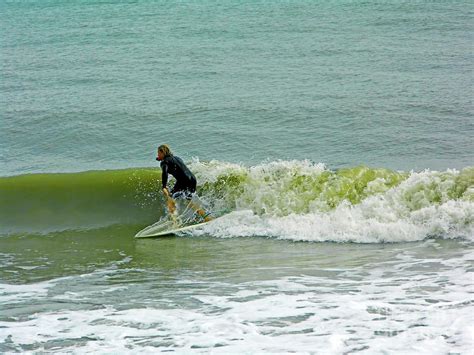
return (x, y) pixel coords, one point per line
(165, 149)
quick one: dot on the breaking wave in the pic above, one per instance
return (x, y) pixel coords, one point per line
(297, 200)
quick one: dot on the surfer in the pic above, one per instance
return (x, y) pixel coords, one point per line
(185, 185)
(185, 180)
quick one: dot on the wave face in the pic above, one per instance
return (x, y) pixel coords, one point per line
(296, 200)
(41, 203)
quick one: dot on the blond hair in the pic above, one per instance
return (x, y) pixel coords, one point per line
(165, 149)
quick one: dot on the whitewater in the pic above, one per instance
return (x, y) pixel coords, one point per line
(304, 201)
(201, 295)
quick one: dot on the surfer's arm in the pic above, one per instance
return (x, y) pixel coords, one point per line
(164, 175)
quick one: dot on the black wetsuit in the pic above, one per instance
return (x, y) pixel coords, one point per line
(185, 180)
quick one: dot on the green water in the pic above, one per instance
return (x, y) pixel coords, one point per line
(40, 258)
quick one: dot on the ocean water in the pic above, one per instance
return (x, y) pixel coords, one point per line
(334, 139)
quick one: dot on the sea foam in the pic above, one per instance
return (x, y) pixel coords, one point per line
(299, 200)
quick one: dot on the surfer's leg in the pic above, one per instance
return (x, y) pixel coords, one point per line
(196, 206)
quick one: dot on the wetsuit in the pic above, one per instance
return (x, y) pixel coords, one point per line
(185, 180)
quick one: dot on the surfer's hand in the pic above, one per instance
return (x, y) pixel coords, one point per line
(166, 192)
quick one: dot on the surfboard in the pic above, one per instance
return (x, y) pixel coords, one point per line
(189, 214)
(149, 233)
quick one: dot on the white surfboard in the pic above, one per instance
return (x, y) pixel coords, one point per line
(153, 232)
(185, 218)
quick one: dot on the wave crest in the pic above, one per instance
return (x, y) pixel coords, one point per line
(299, 200)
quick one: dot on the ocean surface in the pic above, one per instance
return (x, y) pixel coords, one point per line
(333, 139)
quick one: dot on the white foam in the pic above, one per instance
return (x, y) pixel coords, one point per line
(17, 293)
(403, 213)
(453, 219)
(389, 307)
(291, 200)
